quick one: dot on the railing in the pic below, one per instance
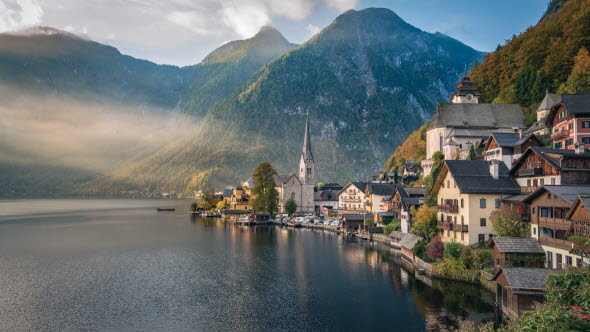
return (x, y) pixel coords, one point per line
(444, 225)
(461, 228)
(560, 134)
(448, 208)
(555, 223)
(528, 189)
(531, 171)
(557, 243)
(351, 200)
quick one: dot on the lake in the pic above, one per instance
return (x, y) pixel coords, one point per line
(120, 265)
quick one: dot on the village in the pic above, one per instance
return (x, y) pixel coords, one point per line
(509, 203)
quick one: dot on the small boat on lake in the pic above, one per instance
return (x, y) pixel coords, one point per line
(165, 209)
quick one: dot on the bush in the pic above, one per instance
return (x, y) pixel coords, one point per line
(369, 222)
(435, 248)
(387, 220)
(420, 250)
(452, 250)
(467, 257)
(482, 256)
(453, 268)
(569, 288)
(393, 226)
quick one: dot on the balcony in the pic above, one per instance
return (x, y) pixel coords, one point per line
(533, 171)
(461, 228)
(556, 243)
(560, 135)
(528, 189)
(555, 223)
(444, 225)
(351, 200)
(448, 208)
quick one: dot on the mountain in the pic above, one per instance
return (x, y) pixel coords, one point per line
(50, 61)
(231, 66)
(550, 56)
(368, 80)
(540, 59)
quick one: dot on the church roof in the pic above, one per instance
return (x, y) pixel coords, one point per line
(549, 101)
(306, 154)
(281, 179)
(465, 87)
(472, 116)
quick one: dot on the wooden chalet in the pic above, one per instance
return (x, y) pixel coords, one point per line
(516, 252)
(543, 166)
(579, 214)
(508, 147)
(520, 289)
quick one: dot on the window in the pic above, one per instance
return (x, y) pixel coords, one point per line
(549, 195)
(448, 184)
(552, 181)
(461, 202)
(542, 182)
(568, 260)
(309, 170)
(569, 141)
(558, 259)
(586, 140)
(545, 212)
(292, 195)
(585, 124)
(497, 203)
(549, 259)
(482, 203)
(528, 182)
(570, 126)
(534, 231)
(482, 222)
(578, 262)
(558, 145)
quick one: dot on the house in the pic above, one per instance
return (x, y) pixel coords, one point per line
(516, 252)
(468, 191)
(508, 147)
(542, 166)
(464, 122)
(412, 169)
(227, 193)
(401, 202)
(239, 199)
(569, 121)
(352, 198)
(353, 222)
(326, 198)
(579, 214)
(375, 193)
(539, 126)
(520, 289)
(549, 224)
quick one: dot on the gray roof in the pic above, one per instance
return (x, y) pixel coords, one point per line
(525, 245)
(584, 199)
(550, 100)
(525, 277)
(515, 198)
(568, 192)
(306, 153)
(415, 191)
(405, 240)
(331, 195)
(227, 192)
(281, 179)
(358, 184)
(550, 156)
(576, 103)
(473, 116)
(355, 217)
(465, 87)
(473, 176)
(509, 140)
(381, 188)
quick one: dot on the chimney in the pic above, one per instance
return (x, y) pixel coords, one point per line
(495, 169)
(580, 147)
(520, 134)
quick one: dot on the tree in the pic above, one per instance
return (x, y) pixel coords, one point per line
(266, 196)
(424, 222)
(506, 222)
(221, 205)
(452, 250)
(434, 250)
(394, 225)
(290, 206)
(579, 79)
(369, 222)
(472, 155)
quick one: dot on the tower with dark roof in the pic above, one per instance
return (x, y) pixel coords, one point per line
(306, 164)
(466, 92)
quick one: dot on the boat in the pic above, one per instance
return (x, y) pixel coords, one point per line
(165, 209)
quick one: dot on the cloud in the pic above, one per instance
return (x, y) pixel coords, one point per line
(313, 29)
(18, 14)
(342, 4)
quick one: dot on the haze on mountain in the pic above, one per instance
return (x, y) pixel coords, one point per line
(368, 80)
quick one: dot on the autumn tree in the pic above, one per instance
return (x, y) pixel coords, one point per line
(221, 205)
(506, 222)
(290, 206)
(424, 222)
(435, 249)
(266, 196)
(579, 79)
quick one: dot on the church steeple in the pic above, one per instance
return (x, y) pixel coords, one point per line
(306, 164)
(466, 91)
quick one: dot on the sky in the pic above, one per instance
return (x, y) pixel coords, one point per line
(183, 32)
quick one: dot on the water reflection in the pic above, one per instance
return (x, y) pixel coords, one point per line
(137, 269)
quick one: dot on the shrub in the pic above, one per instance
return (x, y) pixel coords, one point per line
(435, 248)
(387, 220)
(453, 268)
(369, 222)
(393, 226)
(452, 250)
(420, 250)
(467, 257)
(482, 256)
(569, 288)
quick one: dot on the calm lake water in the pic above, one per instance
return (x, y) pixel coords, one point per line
(120, 265)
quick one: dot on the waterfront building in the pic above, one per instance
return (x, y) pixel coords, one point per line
(402, 201)
(579, 215)
(542, 166)
(516, 252)
(468, 191)
(464, 122)
(549, 206)
(326, 198)
(352, 198)
(375, 194)
(569, 120)
(239, 199)
(508, 147)
(353, 222)
(520, 289)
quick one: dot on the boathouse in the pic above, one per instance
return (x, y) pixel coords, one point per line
(520, 289)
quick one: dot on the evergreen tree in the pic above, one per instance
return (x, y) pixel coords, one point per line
(266, 196)
(472, 155)
(579, 79)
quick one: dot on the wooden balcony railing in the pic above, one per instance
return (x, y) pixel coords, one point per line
(528, 189)
(560, 134)
(531, 171)
(556, 243)
(448, 208)
(444, 225)
(555, 223)
(351, 200)
(461, 228)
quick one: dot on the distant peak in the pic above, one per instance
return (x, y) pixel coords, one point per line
(268, 28)
(42, 31)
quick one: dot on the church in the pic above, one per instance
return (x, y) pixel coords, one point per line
(301, 188)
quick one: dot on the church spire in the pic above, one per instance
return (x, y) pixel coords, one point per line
(307, 141)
